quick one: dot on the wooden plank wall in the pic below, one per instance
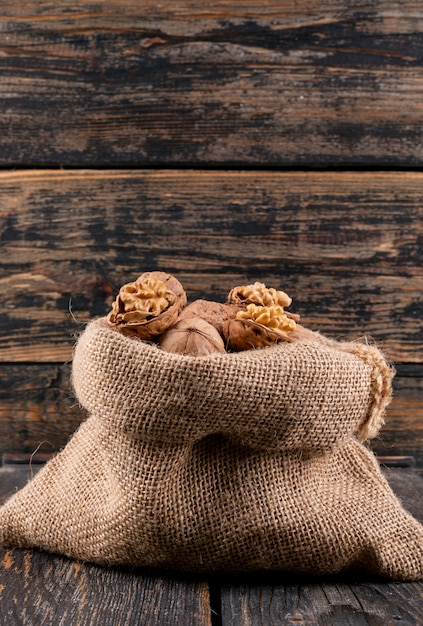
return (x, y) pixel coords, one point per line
(223, 143)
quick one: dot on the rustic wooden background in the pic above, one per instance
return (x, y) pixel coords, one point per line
(224, 143)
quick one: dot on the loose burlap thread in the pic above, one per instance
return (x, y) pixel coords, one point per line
(234, 462)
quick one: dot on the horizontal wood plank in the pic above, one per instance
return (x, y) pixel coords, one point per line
(346, 246)
(36, 588)
(122, 83)
(314, 604)
(402, 433)
(38, 409)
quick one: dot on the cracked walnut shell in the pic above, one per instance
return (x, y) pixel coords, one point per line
(148, 306)
(258, 327)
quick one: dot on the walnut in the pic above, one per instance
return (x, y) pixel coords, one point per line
(153, 307)
(172, 284)
(257, 327)
(246, 335)
(213, 312)
(273, 317)
(258, 293)
(192, 336)
(148, 306)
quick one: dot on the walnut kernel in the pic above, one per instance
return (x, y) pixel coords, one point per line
(147, 307)
(258, 293)
(273, 317)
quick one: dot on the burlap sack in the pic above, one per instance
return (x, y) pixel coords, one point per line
(230, 462)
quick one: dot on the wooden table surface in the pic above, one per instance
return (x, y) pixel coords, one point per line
(39, 589)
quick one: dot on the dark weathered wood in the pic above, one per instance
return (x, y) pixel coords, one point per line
(256, 82)
(408, 485)
(331, 603)
(346, 246)
(403, 431)
(269, 601)
(38, 589)
(38, 410)
(13, 478)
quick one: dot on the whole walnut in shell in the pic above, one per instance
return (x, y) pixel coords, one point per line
(213, 312)
(148, 306)
(192, 336)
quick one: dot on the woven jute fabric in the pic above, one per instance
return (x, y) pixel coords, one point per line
(233, 462)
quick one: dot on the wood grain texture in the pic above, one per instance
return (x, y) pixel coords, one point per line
(402, 433)
(38, 410)
(13, 478)
(38, 589)
(122, 83)
(346, 604)
(346, 246)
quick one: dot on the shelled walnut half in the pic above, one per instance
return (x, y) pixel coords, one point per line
(148, 306)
